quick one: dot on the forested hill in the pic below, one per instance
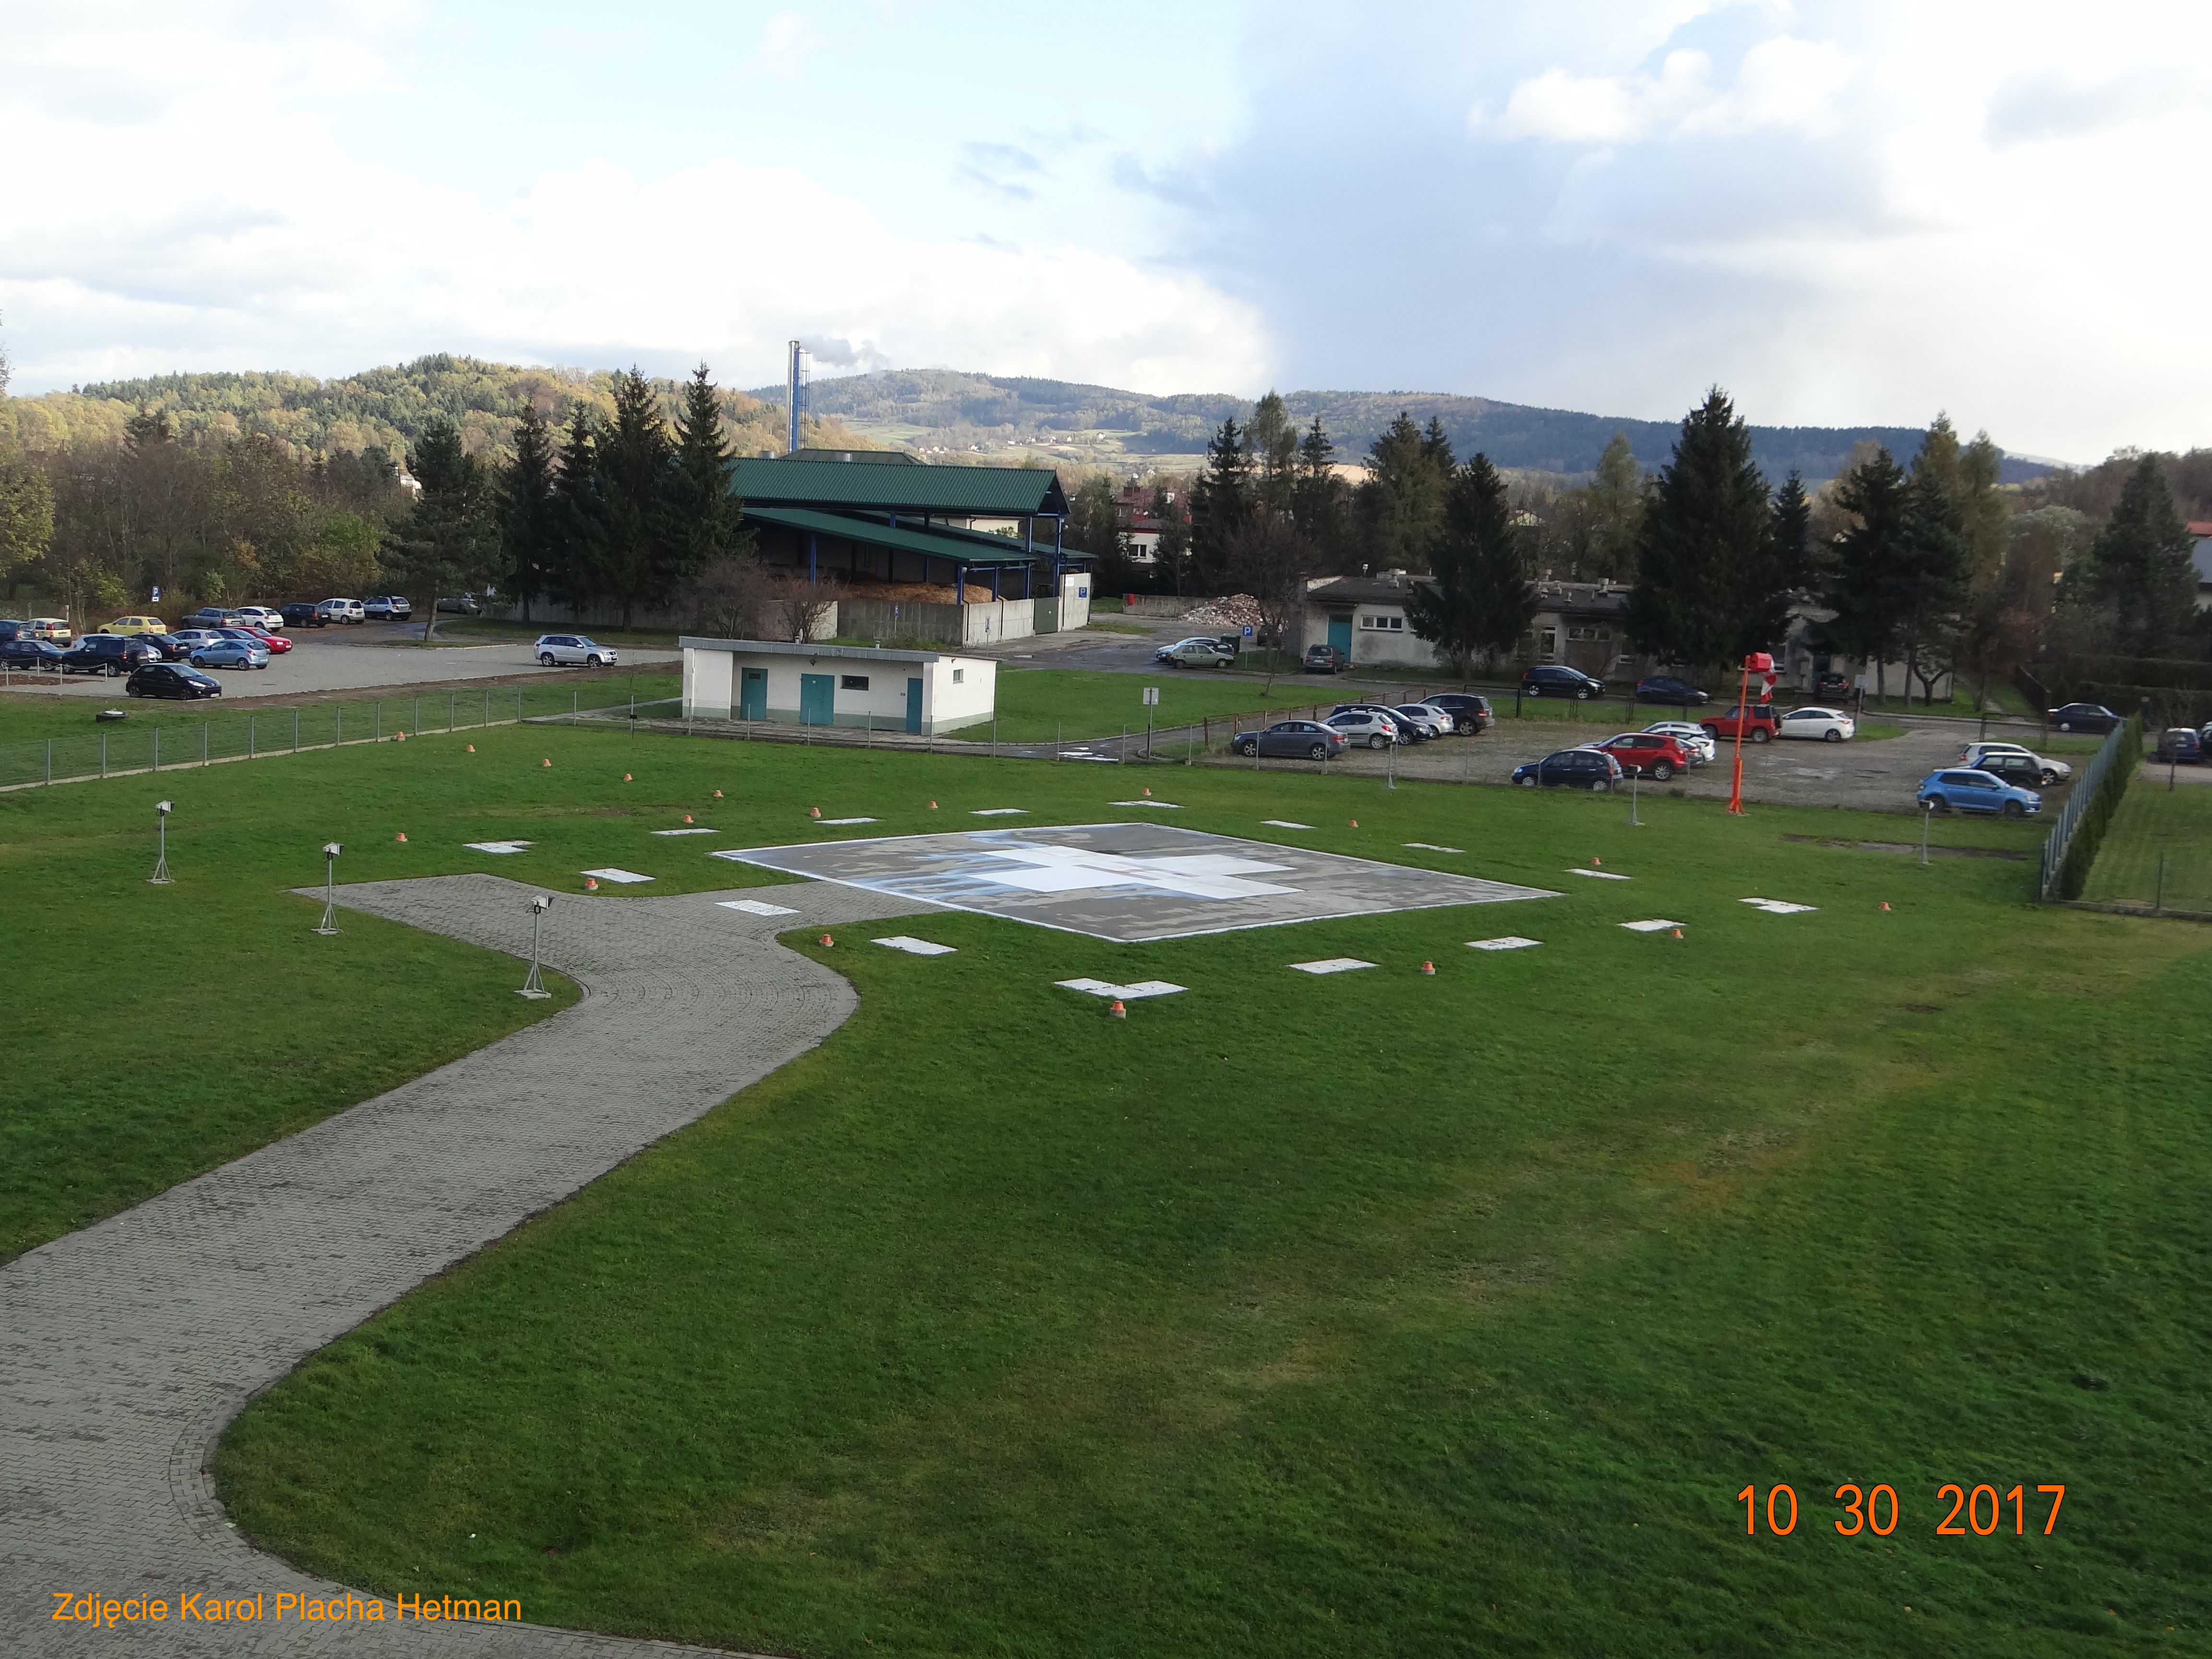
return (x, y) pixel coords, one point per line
(941, 407)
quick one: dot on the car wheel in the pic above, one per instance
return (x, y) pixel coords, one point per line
(1831, 736)
(1319, 751)
(1601, 786)
(2013, 809)
(1584, 694)
(1528, 782)
(1375, 740)
(1711, 732)
(545, 658)
(1761, 735)
(2066, 726)
(1661, 770)
(590, 662)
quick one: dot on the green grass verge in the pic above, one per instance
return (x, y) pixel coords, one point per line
(1377, 1315)
(2159, 847)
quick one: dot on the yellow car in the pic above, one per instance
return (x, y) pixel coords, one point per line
(137, 625)
(56, 629)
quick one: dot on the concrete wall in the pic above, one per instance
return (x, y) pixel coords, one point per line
(956, 691)
(880, 619)
(1372, 646)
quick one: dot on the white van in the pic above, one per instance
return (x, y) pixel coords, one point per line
(341, 610)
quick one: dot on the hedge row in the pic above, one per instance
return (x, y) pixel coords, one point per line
(2173, 673)
(2097, 817)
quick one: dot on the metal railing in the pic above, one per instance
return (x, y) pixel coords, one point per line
(2082, 798)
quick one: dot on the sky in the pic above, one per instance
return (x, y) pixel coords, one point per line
(1841, 213)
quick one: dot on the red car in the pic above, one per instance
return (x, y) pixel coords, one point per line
(1763, 722)
(1648, 754)
(277, 644)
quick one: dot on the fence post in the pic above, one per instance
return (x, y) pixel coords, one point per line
(379, 705)
(50, 760)
(103, 754)
(450, 706)
(204, 736)
(418, 717)
(296, 731)
(157, 748)
(337, 730)
(252, 748)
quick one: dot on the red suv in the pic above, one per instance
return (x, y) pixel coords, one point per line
(1648, 754)
(1765, 721)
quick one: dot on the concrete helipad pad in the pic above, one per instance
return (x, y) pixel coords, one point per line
(1129, 882)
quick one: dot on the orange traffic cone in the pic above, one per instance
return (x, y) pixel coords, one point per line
(402, 836)
(625, 777)
(932, 807)
(1678, 933)
(813, 811)
(1117, 1010)
(718, 795)
(399, 737)
(591, 884)
(1596, 864)
(1148, 792)
(687, 817)
(1355, 824)
(472, 748)
(548, 760)
(1885, 904)
(826, 940)
(1428, 967)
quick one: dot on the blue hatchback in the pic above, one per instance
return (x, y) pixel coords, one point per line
(1958, 789)
(230, 653)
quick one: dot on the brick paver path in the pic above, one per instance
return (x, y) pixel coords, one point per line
(125, 1348)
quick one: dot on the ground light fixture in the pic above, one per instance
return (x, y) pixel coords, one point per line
(328, 924)
(160, 876)
(534, 987)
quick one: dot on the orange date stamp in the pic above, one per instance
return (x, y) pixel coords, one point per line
(1876, 1511)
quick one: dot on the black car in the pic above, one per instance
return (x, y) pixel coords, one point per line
(303, 616)
(107, 654)
(1556, 679)
(1831, 685)
(2083, 717)
(2180, 743)
(21, 651)
(171, 679)
(2021, 771)
(1324, 659)
(1570, 769)
(1665, 687)
(12, 628)
(1472, 712)
(172, 648)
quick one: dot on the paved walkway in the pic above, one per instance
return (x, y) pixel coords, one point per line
(126, 1348)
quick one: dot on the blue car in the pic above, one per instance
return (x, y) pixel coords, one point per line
(1958, 790)
(230, 653)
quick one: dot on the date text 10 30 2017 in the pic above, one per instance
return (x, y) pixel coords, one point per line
(1876, 1510)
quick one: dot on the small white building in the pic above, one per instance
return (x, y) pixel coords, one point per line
(809, 684)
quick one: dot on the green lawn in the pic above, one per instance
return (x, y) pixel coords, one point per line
(1374, 1314)
(2159, 849)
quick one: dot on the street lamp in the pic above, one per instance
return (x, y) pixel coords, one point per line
(160, 876)
(328, 924)
(534, 987)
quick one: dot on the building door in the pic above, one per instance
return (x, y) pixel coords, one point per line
(752, 695)
(914, 707)
(1340, 635)
(817, 699)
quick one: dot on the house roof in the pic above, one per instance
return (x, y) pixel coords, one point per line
(1581, 599)
(868, 457)
(1365, 590)
(990, 492)
(938, 541)
(844, 652)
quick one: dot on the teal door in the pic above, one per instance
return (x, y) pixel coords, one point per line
(817, 699)
(1340, 635)
(752, 695)
(914, 707)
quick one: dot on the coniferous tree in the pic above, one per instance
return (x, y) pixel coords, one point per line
(1318, 496)
(528, 512)
(1221, 501)
(1934, 582)
(634, 555)
(449, 541)
(1793, 535)
(1481, 601)
(2139, 565)
(1868, 576)
(1271, 442)
(1407, 474)
(708, 518)
(1709, 585)
(576, 516)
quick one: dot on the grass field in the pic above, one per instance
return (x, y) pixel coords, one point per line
(2159, 849)
(1371, 1315)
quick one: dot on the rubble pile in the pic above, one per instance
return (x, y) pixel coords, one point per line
(1232, 611)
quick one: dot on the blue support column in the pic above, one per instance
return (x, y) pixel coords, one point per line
(811, 572)
(959, 584)
(1058, 526)
(995, 582)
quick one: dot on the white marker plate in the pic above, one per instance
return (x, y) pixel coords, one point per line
(1099, 988)
(1285, 823)
(841, 820)
(1510, 942)
(611, 873)
(1599, 875)
(687, 832)
(1781, 906)
(914, 947)
(1331, 965)
(999, 813)
(496, 846)
(755, 908)
(1430, 846)
(1656, 925)
(1165, 805)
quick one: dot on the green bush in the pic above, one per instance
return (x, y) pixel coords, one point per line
(2097, 817)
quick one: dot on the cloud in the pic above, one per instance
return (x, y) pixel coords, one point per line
(2045, 104)
(1000, 168)
(785, 45)
(1782, 84)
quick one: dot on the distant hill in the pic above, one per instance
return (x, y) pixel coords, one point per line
(928, 409)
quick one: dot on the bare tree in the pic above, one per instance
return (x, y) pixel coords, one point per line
(1271, 558)
(800, 609)
(729, 598)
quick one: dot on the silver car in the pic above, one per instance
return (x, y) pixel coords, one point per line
(573, 650)
(1695, 738)
(1368, 726)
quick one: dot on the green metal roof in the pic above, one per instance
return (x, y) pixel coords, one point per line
(953, 546)
(1005, 492)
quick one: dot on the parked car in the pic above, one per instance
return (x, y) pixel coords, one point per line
(107, 654)
(1977, 791)
(193, 638)
(1832, 682)
(1470, 713)
(276, 643)
(1292, 740)
(13, 628)
(215, 615)
(572, 650)
(340, 610)
(1651, 755)
(1407, 732)
(260, 615)
(1570, 769)
(128, 625)
(169, 679)
(24, 651)
(2180, 743)
(1324, 659)
(231, 654)
(388, 607)
(1425, 718)
(1169, 650)
(1369, 725)
(2052, 771)
(2021, 771)
(172, 648)
(1201, 654)
(461, 605)
(1665, 687)
(56, 629)
(1696, 741)
(2084, 717)
(1825, 724)
(1758, 724)
(1555, 679)
(304, 616)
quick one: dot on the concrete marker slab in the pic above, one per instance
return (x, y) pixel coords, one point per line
(1332, 965)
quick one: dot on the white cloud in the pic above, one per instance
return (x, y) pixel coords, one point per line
(1783, 84)
(785, 44)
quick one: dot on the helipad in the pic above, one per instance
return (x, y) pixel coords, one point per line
(1129, 882)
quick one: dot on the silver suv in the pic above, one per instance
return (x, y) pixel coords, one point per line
(573, 650)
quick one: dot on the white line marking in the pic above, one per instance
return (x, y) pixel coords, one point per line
(1510, 942)
(1100, 988)
(1599, 875)
(1656, 925)
(756, 907)
(1331, 965)
(914, 947)
(615, 874)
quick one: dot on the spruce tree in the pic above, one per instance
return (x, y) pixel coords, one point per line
(1220, 502)
(448, 543)
(1933, 581)
(1318, 496)
(634, 553)
(2139, 565)
(528, 519)
(1409, 472)
(707, 516)
(575, 514)
(1868, 576)
(1481, 599)
(1709, 585)
(1793, 534)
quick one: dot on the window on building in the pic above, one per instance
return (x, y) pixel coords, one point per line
(958, 674)
(1549, 641)
(1380, 623)
(853, 683)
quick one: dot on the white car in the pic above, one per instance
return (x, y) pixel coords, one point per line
(2053, 771)
(261, 616)
(1368, 726)
(1695, 738)
(1823, 724)
(572, 651)
(341, 610)
(1441, 719)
